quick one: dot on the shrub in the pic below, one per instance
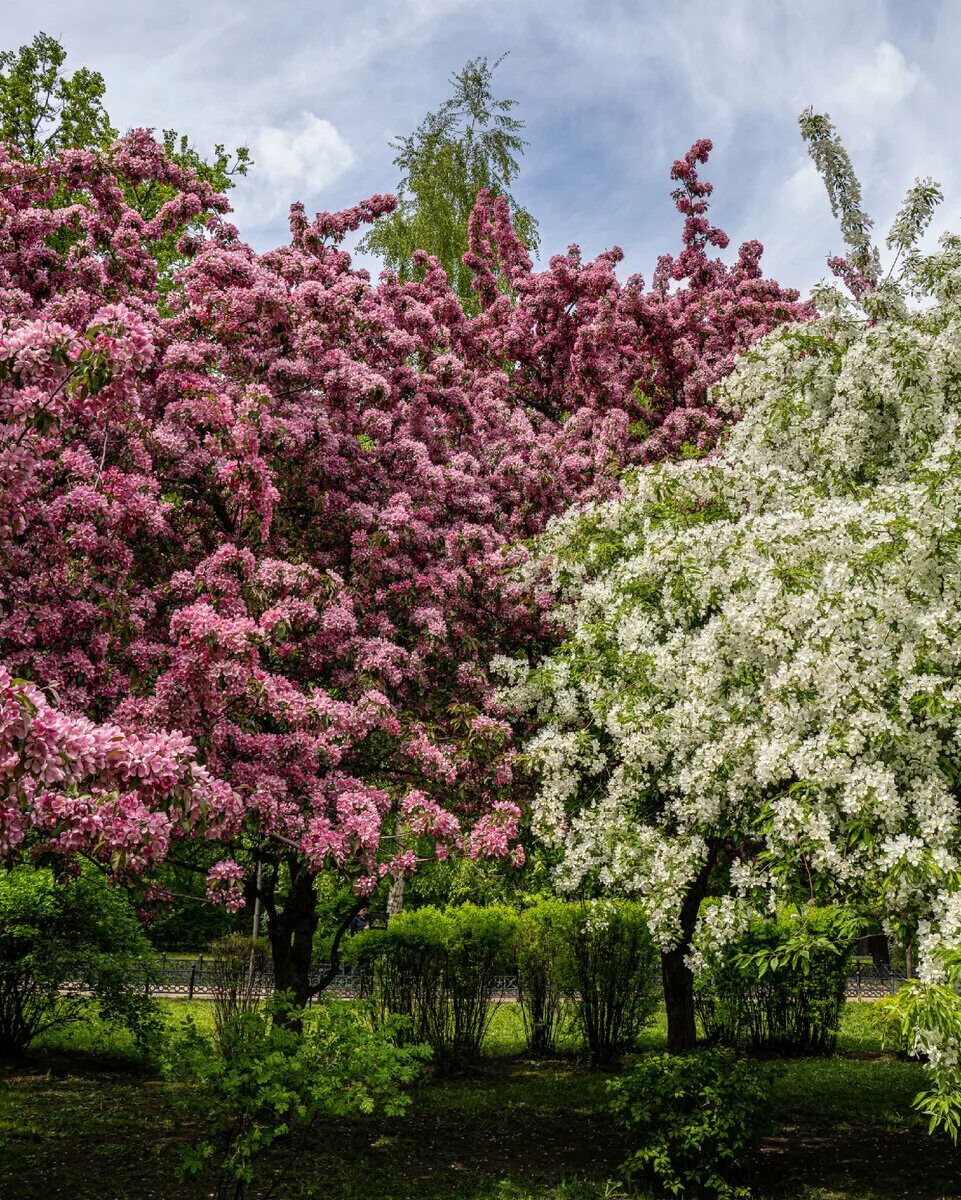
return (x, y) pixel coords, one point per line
(240, 971)
(283, 1069)
(690, 1118)
(78, 931)
(612, 974)
(782, 984)
(405, 964)
(438, 968)
(541, 952)
(479, 948)
(886, 1018)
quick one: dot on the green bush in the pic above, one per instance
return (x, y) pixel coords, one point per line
(479, 945)
(240, 971)
(781, 985)
(690, 1119)
(79, 931)
(611, 968)
(282, 1069)
(438, 968)
(543, 967)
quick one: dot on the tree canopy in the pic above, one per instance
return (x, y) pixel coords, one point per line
(757, 693)
(468, 145)
(274, 513)
(44, 111)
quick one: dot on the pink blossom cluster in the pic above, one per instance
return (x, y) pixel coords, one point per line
(69, 785)
(225, 885)
(277, 510)
(495, 834)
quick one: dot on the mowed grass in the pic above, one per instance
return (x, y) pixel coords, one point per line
(85, 1118)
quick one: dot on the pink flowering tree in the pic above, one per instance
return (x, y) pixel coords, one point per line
(273, 513)
(68, 786)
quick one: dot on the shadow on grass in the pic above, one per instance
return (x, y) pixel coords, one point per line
(91, 1126)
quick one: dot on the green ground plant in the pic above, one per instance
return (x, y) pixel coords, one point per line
(690, 1119)
(271, 1073)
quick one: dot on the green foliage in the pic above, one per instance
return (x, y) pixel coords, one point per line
(44, 110)
(471, 142)
(924, 1018)
(844, 192)
(843, 188)
(781, 984)
(240, 970)
(460, 879)
(542, 952)
(437, 968)
(79, 931)
(189, 921)
(690, 1118)
(149, 197)
(283, 1069)
(887, 1023)
(612, 974)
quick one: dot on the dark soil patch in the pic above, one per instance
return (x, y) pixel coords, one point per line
(872, 1160)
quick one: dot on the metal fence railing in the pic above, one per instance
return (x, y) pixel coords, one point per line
(196, 977)
(178, 976)
(871, 981)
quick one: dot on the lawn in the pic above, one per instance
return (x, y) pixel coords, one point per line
(85, 1119)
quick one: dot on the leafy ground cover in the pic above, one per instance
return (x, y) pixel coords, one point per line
(85, 1118)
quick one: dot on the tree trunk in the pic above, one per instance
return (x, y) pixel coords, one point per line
(676, 975)
(679, 1000)
(292, 930)
(395, 897)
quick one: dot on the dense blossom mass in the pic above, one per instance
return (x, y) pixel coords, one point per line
(272, 512)
(758, 695)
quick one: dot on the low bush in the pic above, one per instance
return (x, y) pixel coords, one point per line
(781, 985)
(240, 976)
(479, 946)
(77, 932)
(690, 1119)
(281, 1070)
(541, 951)
(438, 968)
(611, 974)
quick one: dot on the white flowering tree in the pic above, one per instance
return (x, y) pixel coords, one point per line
(759, 691)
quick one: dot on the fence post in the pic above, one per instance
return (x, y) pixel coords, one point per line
(858, 975)
(190, 986)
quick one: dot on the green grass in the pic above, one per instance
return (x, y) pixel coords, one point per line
(85, 1117)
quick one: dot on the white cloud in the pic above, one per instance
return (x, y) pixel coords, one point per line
(802, 193)
(882, 82)
(294, 161)
(612, 91)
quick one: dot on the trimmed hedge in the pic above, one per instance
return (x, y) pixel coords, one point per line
(594, 965)
(613, 974)
(438, 968)
(543, 972)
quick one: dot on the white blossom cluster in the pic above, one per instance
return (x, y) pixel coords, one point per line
(762, 657)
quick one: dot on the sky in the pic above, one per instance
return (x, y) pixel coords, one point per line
(611, 93)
